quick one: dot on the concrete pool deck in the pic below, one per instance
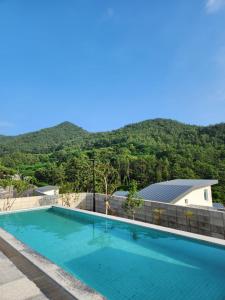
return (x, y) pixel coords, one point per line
(53, 281)
(14, 285)
(20, 279)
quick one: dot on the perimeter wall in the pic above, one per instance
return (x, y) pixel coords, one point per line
(196, 220)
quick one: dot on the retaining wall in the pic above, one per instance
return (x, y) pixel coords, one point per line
(203, 221)
(10, 204)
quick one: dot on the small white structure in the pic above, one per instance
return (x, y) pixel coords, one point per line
(48, 190)
(184, 192)
(121, 193)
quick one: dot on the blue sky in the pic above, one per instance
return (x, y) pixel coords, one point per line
(102, 64)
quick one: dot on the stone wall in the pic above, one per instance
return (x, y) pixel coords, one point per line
(203, 221)
(10, 204)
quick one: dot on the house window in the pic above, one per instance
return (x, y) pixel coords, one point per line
(206, 196)
(186, 201)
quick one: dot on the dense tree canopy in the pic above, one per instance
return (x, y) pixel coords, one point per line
(146, 152)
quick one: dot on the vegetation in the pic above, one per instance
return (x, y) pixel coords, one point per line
(189, 215)
(133, 201)
(158, 212)
(69, 199)
(146, 152)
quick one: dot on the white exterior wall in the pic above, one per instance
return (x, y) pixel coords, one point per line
(196, 197)
(21, 203)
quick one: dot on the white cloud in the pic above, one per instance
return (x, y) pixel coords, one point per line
(213, 6)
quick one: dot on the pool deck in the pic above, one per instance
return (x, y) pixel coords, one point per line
(20, 279)
(53, 281)
(14, 284)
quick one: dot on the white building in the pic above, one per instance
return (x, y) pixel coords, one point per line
(185, 192)
(48, 190)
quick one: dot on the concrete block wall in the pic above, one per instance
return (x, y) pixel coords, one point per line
(9, 204)
(203, 221)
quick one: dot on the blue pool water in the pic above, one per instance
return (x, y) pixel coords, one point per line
(122, 261)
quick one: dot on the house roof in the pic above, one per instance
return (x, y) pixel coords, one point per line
(218, 205)
(171, 191)
(121, 193)
(47, 188)
(191, 182)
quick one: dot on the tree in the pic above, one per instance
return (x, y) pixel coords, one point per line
(109, 178)
(52, 174)
(146, 152)
(189, 214)
(133, 201)
(6, 172)
(158, 214)
(158, 172)
(78, 171)
(69, 199)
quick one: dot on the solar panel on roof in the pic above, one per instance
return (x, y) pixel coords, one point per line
(163, 193)
(218, 205)
(190, 182)
(167, 191)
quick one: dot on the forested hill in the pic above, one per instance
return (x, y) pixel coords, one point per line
(144, 134)
(148, 151)
(43, 141)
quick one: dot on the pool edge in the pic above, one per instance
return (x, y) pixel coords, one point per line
(69, 283)
(176, 232)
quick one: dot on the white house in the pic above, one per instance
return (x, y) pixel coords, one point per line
(185, 192)
(48, 190)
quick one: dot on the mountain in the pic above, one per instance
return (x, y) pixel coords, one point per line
(149, 133)
(45, 140)
(147, 152)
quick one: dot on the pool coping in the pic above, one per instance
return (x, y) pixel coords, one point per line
(69, 283)
(177, 232)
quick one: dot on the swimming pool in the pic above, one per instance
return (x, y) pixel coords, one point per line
(121, 260)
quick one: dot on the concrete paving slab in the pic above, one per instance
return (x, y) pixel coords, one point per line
(14, 285)
(8, 272)
(19, 289)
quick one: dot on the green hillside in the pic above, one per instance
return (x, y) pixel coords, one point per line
(148, 151)
(45, 140)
